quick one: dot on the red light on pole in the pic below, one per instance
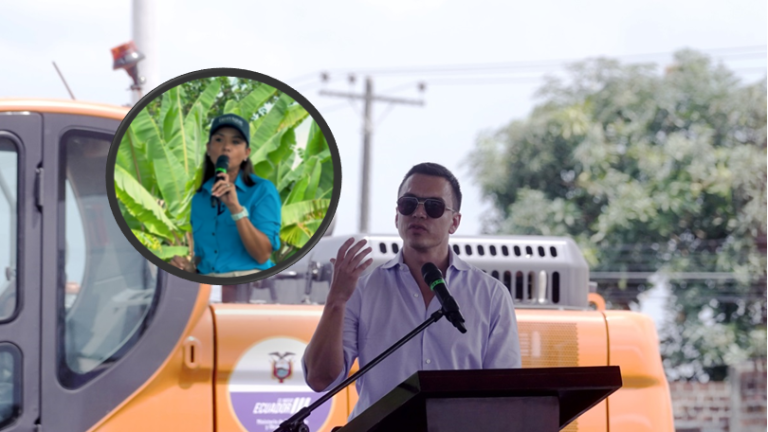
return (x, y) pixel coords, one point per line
(127, 56)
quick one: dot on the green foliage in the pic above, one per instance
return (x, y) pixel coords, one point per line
(649, 173)
(230, 89)
(160, 160)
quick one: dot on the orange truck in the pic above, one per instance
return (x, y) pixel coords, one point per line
(93, 337)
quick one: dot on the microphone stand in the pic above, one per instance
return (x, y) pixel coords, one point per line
(296, 422)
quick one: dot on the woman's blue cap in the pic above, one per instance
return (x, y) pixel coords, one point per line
(233, 121)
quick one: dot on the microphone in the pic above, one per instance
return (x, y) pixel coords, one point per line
(434, 278)
(222, 164)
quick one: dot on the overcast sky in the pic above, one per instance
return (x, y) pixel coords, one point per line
(294, 41)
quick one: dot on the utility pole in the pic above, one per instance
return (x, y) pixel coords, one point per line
(368, 98)
(144, 26)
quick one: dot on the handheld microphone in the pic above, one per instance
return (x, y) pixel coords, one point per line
(434, 278)
(222, 164)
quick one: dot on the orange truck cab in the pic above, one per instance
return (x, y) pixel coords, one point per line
(93, 337)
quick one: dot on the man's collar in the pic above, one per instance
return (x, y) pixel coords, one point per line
(456, 262)
(453, 261)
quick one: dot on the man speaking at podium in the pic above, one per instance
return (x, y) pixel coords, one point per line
(365, 316)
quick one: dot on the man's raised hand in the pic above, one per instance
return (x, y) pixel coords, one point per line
(347, 268)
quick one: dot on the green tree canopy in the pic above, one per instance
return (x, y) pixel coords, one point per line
(649, 172)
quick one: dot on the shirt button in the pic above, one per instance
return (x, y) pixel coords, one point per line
(428, 361)
(213, 233)
(415, 295)
(215, 251)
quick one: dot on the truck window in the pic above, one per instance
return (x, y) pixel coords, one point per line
(8, 227)
(108, 287)
(10, 387)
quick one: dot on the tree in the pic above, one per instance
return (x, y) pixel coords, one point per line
(160, 160)
(649, 173)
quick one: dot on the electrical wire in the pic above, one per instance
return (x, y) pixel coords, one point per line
(458, 72)
(383, 115)
(332, 108)
(299, 78)
(485, 81)
(760, 51)
(401, 87)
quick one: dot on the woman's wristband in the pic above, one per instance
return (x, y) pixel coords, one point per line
(243, 213)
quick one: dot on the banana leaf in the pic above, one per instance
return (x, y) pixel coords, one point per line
(267, 157)
(131, 155)
(196, 145)
(194, 125)
(165, 105)
(326, 177)
(304, 211)
(130, 220)
(300, 233)
(176, 135)
(255, 100)
(182, 218)
(316, 142)
(232, 107)
(313, 169)
(166, 253)
(171, 177)
(255, 126)
(298, 191)
(318, 146)
(143, 133)
(268, 127)
(293, 117)
(142, 205)
(287, 176)
(148, 240)
(286, 147)
(174, 117)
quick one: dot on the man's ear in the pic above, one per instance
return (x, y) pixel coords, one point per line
(455, 222)
(248, 151)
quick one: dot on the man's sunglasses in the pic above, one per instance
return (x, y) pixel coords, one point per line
(434, 207)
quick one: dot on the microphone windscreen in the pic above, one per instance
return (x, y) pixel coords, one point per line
(222, 164)
(431, 273)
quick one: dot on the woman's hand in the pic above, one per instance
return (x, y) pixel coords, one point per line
(227, 193)
(183, 263)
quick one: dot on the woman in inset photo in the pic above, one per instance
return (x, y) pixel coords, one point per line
(235, 215)
(223, 176)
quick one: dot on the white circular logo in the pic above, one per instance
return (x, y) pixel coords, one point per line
(267, 386)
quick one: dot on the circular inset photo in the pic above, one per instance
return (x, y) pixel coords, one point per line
(223, 176)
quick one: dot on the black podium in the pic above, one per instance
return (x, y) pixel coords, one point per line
(508, 400)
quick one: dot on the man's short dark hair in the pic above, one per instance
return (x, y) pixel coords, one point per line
(437, 170)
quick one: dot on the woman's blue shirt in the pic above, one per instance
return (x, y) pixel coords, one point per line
(217, 241)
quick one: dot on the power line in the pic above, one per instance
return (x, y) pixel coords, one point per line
(418, 85)
(672, 276)
(368, 98)
(715, 296)
(333, 108)
(726, 52)
(485, 81)
(544, 66)
(750, 69)
(295, 80)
